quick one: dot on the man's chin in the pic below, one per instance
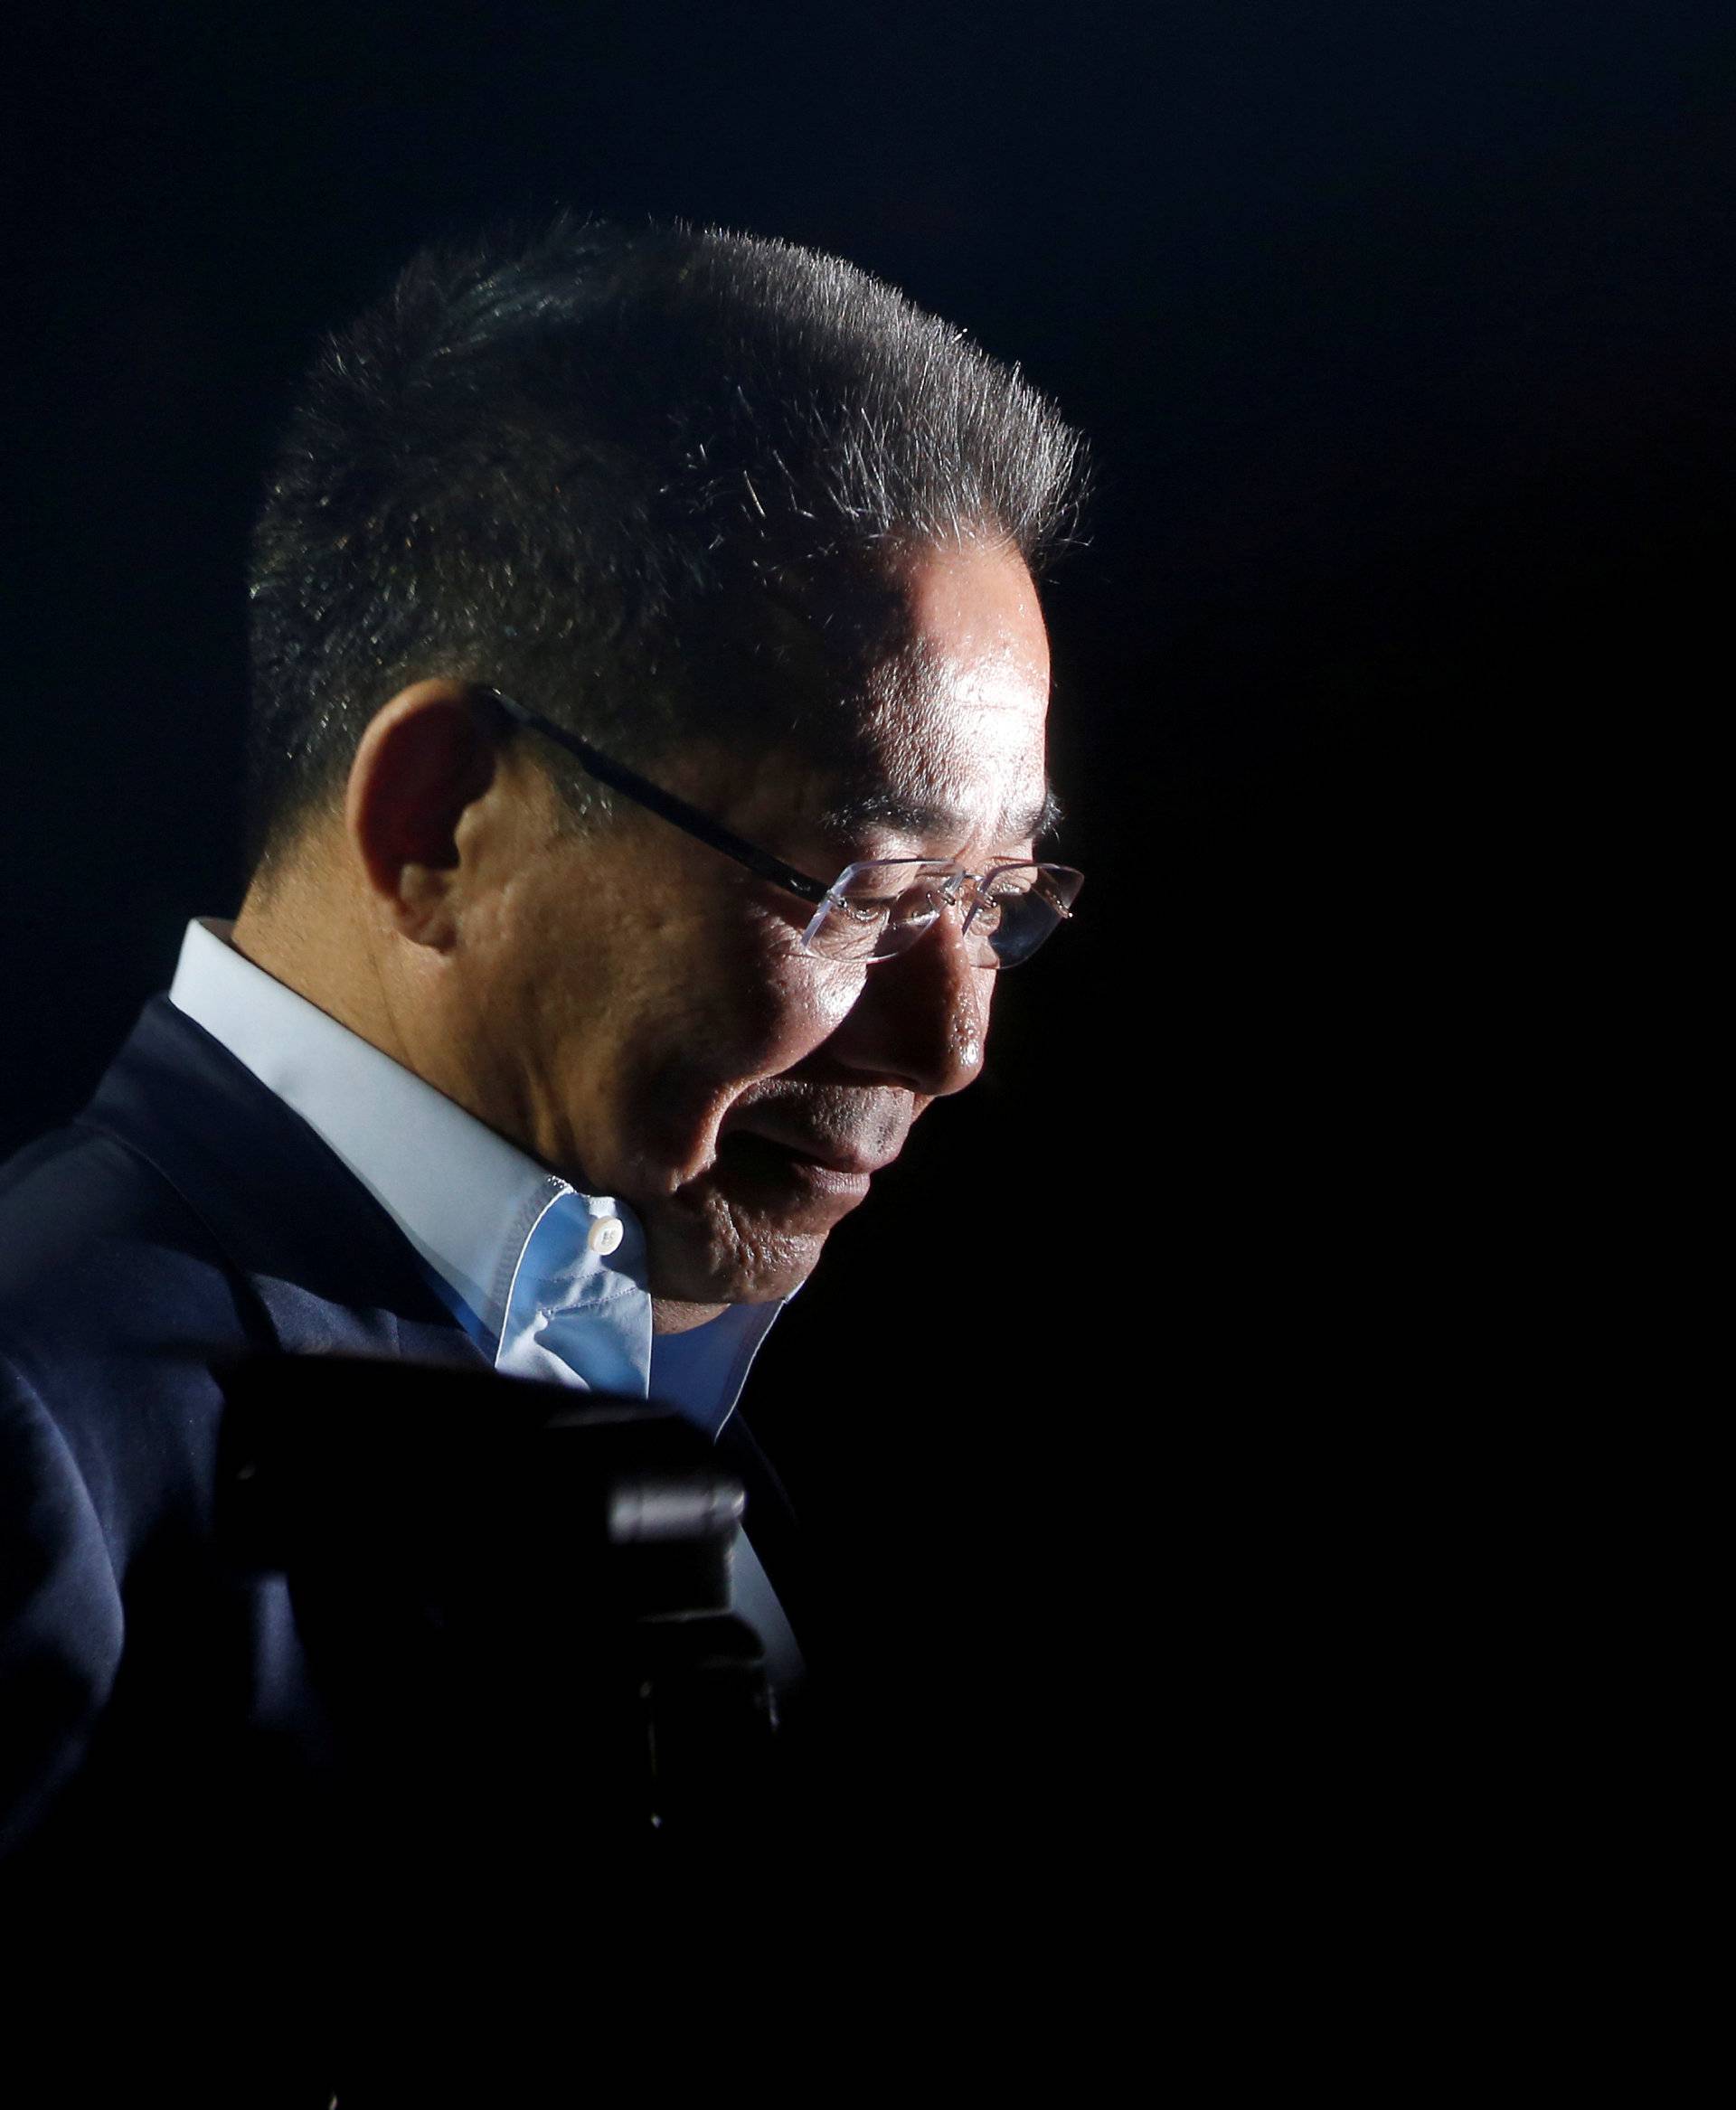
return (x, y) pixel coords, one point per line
(715, 1247)
(761, 1278)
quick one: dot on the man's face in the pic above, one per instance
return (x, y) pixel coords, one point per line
(647, 1022)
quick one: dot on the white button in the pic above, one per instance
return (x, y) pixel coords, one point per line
(606, 1234)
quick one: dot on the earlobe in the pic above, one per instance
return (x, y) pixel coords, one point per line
(426, 758)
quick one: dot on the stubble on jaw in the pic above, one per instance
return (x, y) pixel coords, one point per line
(722, 1256)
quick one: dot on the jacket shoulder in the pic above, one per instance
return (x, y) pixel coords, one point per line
(115, 1307)
(186, 1219)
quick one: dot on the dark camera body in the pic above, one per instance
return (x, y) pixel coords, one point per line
(506, 1592)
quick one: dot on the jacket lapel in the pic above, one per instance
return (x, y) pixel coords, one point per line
(323, 1268)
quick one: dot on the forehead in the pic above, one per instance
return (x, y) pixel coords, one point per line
(944, 706)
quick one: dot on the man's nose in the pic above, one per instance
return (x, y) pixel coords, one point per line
(923, 1016)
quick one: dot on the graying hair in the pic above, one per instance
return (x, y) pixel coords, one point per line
(569, 467)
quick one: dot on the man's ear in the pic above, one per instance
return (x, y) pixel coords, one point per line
(426, 758)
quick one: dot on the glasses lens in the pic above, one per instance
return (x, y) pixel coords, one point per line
(874, 909)
(1012, 918)
(880, 909)
(1019, 906)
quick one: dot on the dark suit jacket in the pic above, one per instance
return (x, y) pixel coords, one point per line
(161, 1732)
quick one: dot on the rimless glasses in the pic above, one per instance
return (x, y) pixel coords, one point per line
(872, 909)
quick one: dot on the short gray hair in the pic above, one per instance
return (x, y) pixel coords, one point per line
(562, 465)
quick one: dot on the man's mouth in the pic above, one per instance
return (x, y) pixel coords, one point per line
(793, 1168)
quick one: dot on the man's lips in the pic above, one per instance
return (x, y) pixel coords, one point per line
(857, 1156)
(771, 1159)
(845, 1164)
(790, 1186)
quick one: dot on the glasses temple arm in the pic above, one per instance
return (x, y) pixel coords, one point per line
(664, 804)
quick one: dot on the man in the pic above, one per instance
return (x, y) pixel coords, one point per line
(648, 777)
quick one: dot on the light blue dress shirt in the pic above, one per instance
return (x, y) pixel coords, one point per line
(550, 1283)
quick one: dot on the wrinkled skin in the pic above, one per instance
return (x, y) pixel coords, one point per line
(632, 1007)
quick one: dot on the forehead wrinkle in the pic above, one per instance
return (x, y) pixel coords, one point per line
(923, 723)
(901, 754)
(921, 669)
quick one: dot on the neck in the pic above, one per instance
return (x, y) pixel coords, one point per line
(667, 1316)
(305, 934)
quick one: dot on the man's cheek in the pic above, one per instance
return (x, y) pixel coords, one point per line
(669, 1114)
(766, 1031)
(802, 1014)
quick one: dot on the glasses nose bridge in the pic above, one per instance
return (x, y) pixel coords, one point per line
(959, 890)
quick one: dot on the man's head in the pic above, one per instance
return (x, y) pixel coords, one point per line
(745, 518)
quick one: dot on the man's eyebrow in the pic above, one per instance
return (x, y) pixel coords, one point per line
(887, 808)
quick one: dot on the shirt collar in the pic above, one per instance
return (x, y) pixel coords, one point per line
(534, 1271)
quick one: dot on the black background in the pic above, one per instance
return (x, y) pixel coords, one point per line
(1401, 336)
